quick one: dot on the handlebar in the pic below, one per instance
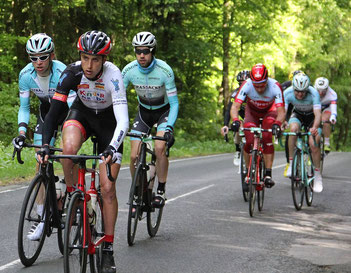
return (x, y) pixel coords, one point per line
(144, 136)
(28, 145)
(298, 134)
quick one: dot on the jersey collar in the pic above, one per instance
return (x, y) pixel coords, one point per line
(147, 70)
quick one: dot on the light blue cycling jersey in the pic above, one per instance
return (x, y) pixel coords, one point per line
(28, 81)
(154, 86)
(310, 102)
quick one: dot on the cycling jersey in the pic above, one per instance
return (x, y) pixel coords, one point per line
(268, 101)
(329, 101)
(305, 106)
(29, 81)
(106, 93)
(154, 85)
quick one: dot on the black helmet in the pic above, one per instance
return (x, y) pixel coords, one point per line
(243, 75)
(94, 43)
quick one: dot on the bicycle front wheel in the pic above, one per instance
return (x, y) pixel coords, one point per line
(297, 184)
(244, 187)
(154, 215)
(252, 183)
(260, 193)
(135, 203)
(309, 186)
(32, 215)
(75, 251)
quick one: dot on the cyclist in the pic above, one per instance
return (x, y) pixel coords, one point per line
(153, 80)
(285, 85)
(241, 77)
(329, 107)
(40, 76)
(264, 99)
(100, 109)
(307, 112)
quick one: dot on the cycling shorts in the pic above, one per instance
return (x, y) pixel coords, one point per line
(102, 124)
(145, 119)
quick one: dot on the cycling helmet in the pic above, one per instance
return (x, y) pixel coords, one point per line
(243, 75)
(94, 43)
(321, 83)
(40, 43)
(259, 73)
(144, 38)
(301, 82)
(292, 74)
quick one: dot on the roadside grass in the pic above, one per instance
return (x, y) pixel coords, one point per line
(11, 172)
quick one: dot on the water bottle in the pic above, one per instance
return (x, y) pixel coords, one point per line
(91, 211)
(148, 142)
(60, 193)
(151, 174)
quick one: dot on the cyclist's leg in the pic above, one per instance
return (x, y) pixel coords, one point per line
(326, 129)
(294, 126)
(251, 120)
(268, 147)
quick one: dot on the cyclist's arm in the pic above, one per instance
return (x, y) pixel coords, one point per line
(171, 92)
(227, 112)
(24, 112)
(234, 111)
(280, 114)
(51, 119)
(120, 110)
(317, 117)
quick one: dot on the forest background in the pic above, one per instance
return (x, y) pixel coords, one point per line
(205, 42)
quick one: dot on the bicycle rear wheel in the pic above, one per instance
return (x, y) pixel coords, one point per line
(98, 231)
(309, 186)
(297, 185)
(32, 214)
(260, 193)
(252, 183)
(75, 251)
(154, 215)
(243, 175)
(135, 203)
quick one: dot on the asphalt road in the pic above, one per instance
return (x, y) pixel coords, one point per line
(206, 225)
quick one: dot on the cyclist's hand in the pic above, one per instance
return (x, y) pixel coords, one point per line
(110, 154)
(42, 155)
(235, 126)
(314, 131)
(224, 130)
(285, 125)
(276, 130)
(169, 138)
(332, 119)
(19, 141)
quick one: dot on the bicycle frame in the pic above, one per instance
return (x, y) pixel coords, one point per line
(303, 146)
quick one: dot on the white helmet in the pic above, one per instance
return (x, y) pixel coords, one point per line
(301, 82)
(321, 83)
(40, 43)
(144, 38)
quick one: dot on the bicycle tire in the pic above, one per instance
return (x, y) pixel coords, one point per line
(309, 186)
(28, 250)
(252, 183)
(321, 143)
(60, 230)
(243, 174)
(154, 215)
(75, 253)
(135, 202)
(98, 231)
(260, 193)
(297, 185)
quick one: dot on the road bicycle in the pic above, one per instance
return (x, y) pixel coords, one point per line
(302, 170)
(84, 226)
(39, 207)
(143, 190)
(256, 169)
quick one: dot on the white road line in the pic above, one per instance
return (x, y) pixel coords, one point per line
(16, 189)
(6, 266)
(189, 193)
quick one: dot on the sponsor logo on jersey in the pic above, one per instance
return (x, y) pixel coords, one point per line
(92, 95)
(60, 97)
(116, 84)
(100, 85)
(83, 86)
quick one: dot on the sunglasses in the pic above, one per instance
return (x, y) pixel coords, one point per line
(297, 91)
(41, 58)
(145, 51)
